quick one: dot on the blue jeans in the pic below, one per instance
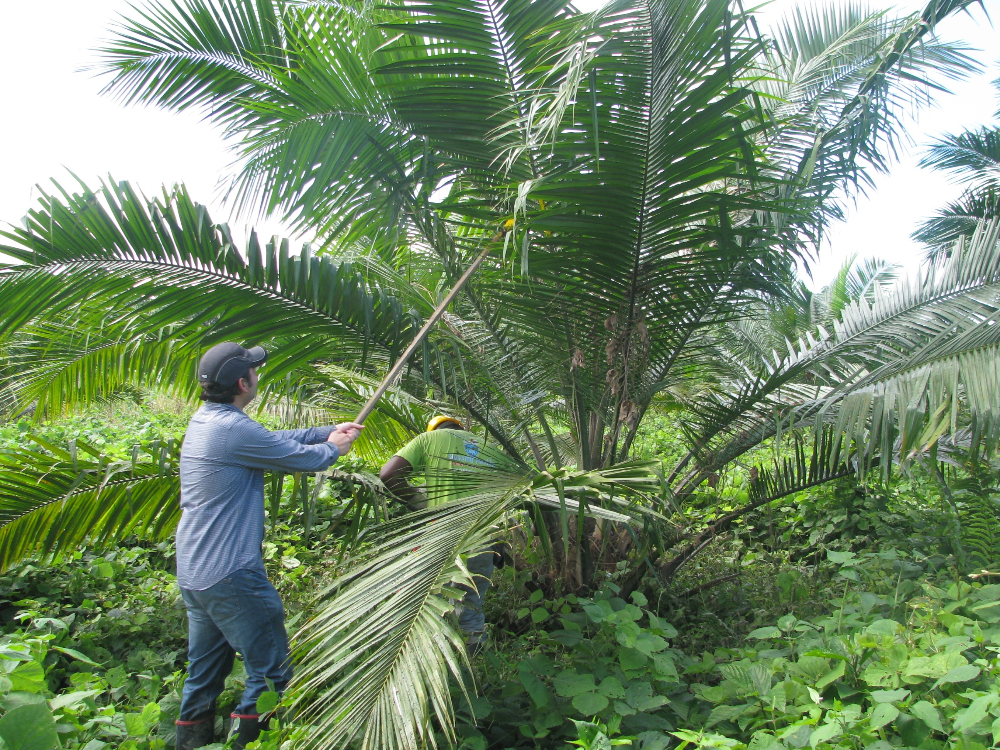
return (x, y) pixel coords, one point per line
(242, 612)
(472, 619)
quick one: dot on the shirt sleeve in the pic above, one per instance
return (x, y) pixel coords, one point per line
(255, 447)
(414, 452)
(307, 436)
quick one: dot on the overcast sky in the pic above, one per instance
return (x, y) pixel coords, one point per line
(55, 120)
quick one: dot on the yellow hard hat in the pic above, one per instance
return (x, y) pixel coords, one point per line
(441, 419)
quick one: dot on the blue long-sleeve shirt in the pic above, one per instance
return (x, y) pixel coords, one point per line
(223, 460)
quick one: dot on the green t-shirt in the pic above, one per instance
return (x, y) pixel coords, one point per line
(448, 460)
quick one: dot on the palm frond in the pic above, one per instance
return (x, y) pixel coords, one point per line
(198, 53)
(958, 219)
(154, 281)
(896, 354)
(840, 82)
(374, 663)
(816, 459)
(54, 499)
(972, 158)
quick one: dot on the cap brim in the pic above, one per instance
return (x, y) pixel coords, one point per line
(258, 356)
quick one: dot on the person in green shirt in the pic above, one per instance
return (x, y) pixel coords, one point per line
(447, 457)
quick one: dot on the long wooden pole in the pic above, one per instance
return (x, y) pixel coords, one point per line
(419, 339)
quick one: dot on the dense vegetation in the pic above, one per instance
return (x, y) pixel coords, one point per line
(743, 513)
(843, 616)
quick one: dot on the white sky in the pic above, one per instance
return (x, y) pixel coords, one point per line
(55, 120)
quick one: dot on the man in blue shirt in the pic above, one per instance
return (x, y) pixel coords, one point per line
(231, 606)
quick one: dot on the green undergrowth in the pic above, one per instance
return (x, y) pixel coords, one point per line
(843, 616)
(93, 657)
(884, 665)
(93, 644)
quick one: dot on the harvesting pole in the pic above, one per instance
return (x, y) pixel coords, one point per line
(419, 338)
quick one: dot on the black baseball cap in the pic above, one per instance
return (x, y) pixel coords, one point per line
(226, 363)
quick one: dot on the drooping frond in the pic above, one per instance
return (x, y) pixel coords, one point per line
(841, 80)
(373, 664)
(911, 360)
(971, 158)
(54, 500)
(955, 220)
(111, 287)
(816, 459)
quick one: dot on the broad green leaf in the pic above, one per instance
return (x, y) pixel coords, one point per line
(76, 655)
(151, 714)
(840, 557)
(569, 683)
(963, 673)
(536, 596)
(834, 674)
(975, 712)
(267, 702)
(611, 687)
(29, 676)
(631, 659)
(538, 614)
(928, 714)
(767, 632)
(642, 697)
(934, 666)
(627, 634)
(889, 696)
(624, 709)
(912, 731)
(724, 713)
(637, 692)
(136, 725)
(534, 685)
(823, 734)
(762, 740)
(878, 675)
(599, 611)
(590, 703)
(29, 727)
(787, 622)
(654, 740)
(884, 627)
(20, 698)
(649, 644)
(882, 715)
(661, 627)
(71, 699)
(665, 669)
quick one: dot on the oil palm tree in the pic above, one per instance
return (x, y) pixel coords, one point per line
(647, 178)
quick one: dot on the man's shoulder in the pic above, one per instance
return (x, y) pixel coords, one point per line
(213, 411)
(215, 418)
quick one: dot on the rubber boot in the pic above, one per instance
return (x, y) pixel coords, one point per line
(248, 729)
(197, 733)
